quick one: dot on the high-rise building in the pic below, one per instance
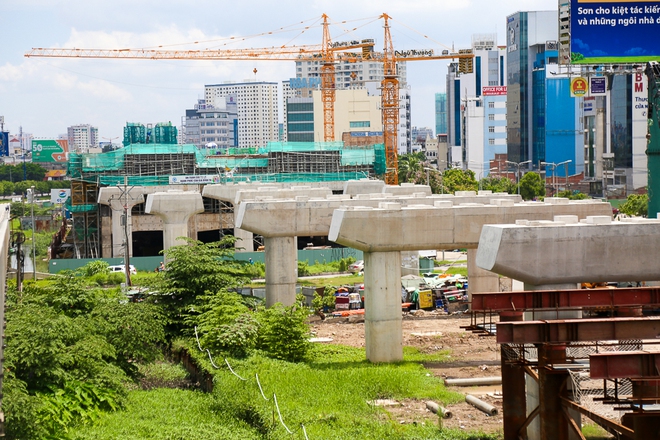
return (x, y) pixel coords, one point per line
(544, 122)
(212, 127)
(351, 74)
(440, 113)
(476, 107)
(257, 109)
(82, 137)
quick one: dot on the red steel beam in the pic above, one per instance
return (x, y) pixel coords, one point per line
(629, 364)
(565, 299)
(577, 330)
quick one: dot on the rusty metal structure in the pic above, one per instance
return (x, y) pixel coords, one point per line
(608, 350)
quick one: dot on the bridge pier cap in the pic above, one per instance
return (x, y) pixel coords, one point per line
(554, 252)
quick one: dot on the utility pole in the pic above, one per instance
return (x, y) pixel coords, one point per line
(124, 192)
(34, 231)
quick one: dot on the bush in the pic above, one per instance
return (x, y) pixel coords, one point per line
(94, 267)
(284, 333)
(303, 269)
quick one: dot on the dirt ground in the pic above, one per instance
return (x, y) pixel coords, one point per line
(471, 356)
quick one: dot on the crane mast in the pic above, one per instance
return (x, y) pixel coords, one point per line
(390, 107)
(328, 84)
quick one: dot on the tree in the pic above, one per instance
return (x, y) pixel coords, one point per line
(636, 204)
(456, 179)
(410, 166)
(195, 269)
(498, 184)
(572, 195)
(531, 186)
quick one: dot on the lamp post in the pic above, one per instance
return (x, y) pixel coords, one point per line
(554, 175)
(518, 165)
(428, 178)
(565, 163)
(481, 176)
(34, 230)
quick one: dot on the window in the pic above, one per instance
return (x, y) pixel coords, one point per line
(491, 141)
(491, 129)
(491, 117)
(360, 124)
(491, 105)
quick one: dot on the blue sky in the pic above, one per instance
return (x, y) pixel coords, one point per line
(46, 95)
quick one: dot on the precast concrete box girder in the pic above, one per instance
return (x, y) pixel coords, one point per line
(545, 253)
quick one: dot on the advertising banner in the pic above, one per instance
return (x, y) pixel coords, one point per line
(50, 150)
(4, 143)
(59, 195)
(194, 180)
(493, 91)
(609, 31)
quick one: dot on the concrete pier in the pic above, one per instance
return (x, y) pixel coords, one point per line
(419, 227)
(174, 208)
(121, 201)
(307, 216)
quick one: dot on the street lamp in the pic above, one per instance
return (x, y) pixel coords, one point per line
(518, 165)
(554, 175)
(428, 178)
(481, 176)
(565, 163)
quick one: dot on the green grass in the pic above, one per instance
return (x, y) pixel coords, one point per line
(329, 394)
(595, 432)
(334, 281)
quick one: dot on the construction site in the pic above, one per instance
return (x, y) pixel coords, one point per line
(164, 165)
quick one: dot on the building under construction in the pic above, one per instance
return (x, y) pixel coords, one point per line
(147, 163)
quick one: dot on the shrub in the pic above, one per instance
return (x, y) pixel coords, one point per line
(94, 267)
(284, 333)
(303, 269)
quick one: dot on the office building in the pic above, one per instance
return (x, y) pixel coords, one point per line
(82, 137)
(257, 110)
(544, 122)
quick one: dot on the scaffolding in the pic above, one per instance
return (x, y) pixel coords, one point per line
(152, 164)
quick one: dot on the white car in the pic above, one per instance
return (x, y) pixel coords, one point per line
(356, 267)
(122, 268)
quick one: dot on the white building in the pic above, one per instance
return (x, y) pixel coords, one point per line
(82, 137)
(476, 104)
(257, 109)
(212, 127)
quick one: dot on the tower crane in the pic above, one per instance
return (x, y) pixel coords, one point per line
(326, 52)
(390, 87)
(390, 92)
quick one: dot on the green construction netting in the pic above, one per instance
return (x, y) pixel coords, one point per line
(95, 166)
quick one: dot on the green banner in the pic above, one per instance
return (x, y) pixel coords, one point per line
(50, 150)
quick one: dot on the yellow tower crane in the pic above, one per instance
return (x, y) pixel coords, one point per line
(390, 93)
(324, 52)
(327, 53)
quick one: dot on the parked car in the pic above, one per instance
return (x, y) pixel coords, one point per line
(122, 268)
(356, 267)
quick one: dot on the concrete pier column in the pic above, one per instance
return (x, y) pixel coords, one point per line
(281, 255)
(480, 280)
(382, 304)
(513, 386)
(246, 242)
(121, 200)
(174, 208)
